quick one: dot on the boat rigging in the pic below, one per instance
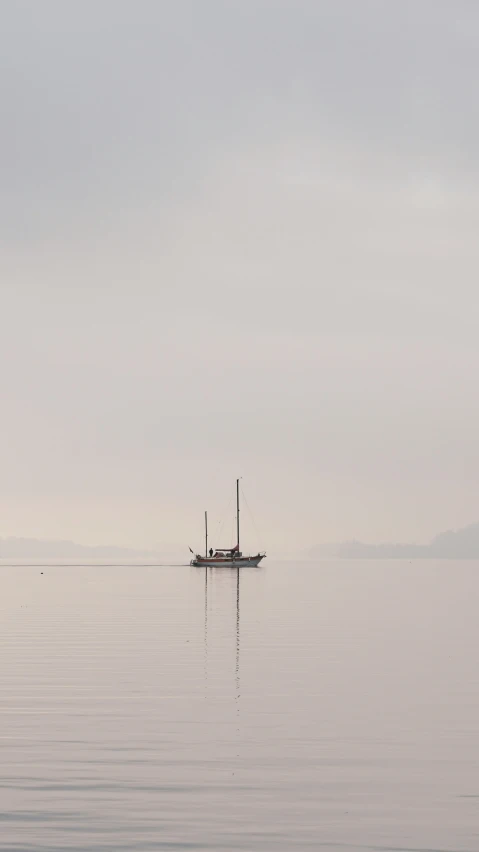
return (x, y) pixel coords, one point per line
(226, 556)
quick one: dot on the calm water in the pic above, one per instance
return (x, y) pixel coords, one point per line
(309, 706)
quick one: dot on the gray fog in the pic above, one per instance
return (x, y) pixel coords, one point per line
(238, 238)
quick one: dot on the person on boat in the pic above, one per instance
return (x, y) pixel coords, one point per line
(211, 552)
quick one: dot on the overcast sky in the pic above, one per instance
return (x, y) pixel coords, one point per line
(239, 238)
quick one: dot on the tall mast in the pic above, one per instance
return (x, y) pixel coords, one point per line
(206, 533)
(237, 515)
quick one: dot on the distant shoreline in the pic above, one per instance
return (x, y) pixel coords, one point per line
(452, 544)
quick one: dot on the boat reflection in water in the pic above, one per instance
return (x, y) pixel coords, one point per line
(217, 583)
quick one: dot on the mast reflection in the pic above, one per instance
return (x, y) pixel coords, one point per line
(237, 634)
(206, 627)
(209, 587)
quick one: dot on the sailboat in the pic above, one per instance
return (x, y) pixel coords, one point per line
(226, 556)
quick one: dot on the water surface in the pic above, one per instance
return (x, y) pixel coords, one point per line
(293, 706)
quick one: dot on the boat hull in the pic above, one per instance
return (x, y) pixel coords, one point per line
(218, 562)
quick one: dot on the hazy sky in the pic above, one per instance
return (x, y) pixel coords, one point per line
(239, 237)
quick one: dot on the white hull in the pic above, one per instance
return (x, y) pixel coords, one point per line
(240, 562)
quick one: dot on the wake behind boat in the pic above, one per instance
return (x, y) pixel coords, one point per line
(226, 556)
